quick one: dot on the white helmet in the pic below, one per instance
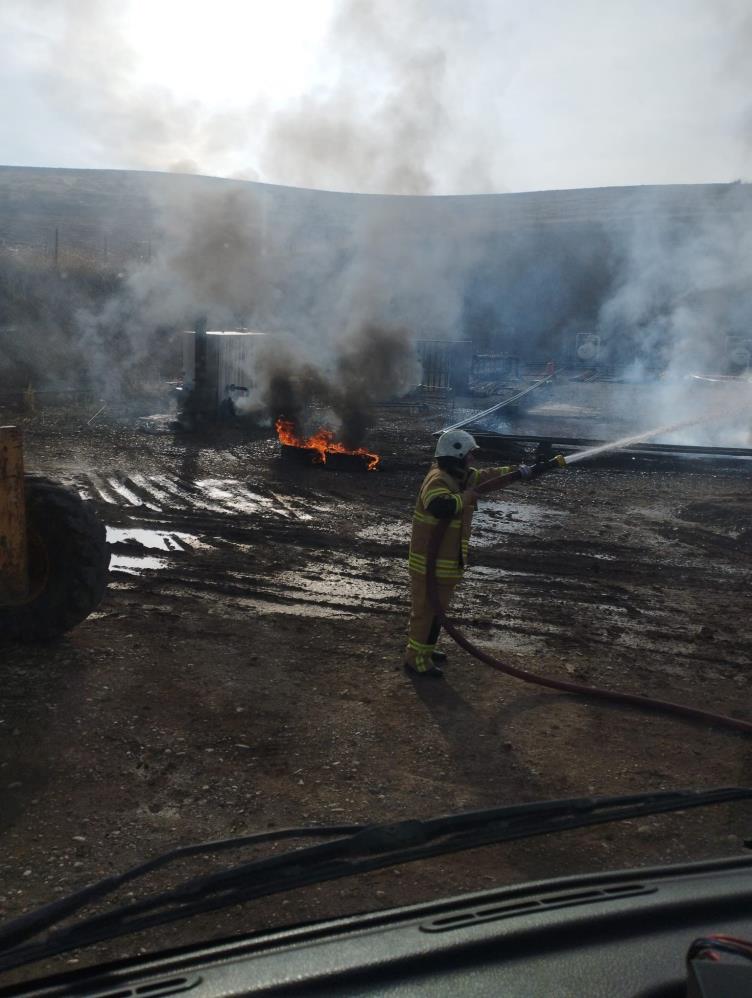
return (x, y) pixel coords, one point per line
(455, 443)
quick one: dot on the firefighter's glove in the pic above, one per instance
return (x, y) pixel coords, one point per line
(525, 472)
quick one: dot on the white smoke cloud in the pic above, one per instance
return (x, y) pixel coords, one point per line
(402, 97)
(680, 309)
(682, 284)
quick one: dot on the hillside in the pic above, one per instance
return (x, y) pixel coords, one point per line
(89, 206)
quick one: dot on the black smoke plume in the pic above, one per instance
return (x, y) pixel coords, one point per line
(372, 364)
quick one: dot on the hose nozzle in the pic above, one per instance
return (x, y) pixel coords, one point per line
(555, 462)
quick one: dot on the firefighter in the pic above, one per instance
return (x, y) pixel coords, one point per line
(448, 492)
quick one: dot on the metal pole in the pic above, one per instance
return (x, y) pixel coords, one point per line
(14, 569)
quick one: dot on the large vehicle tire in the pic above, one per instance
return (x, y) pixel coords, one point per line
(68, 564)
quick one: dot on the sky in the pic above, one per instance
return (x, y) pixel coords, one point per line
(383, 96)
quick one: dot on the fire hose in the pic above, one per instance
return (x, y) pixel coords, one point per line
(580, 689)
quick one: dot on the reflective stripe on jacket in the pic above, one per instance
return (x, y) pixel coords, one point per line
(453, 550)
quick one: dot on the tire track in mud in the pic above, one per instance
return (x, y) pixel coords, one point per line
(169, 493)
(238, 546)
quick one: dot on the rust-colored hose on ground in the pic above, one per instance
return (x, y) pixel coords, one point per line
(593, 692)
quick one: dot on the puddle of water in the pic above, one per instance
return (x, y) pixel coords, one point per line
(236, 495)
(287, 609)
(319, 590)
(508, 517)
(338, 586)
(157, 540)
(152, 540)
(135, 564)
(386, 532)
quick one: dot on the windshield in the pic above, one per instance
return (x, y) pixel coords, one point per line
(274, 306)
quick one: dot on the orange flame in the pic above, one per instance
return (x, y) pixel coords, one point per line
(323, 441)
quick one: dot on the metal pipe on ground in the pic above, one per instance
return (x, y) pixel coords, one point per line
(488, 439)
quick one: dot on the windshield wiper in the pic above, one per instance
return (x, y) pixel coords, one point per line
(356, 849)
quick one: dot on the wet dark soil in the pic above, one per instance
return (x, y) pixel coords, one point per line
(244, 670)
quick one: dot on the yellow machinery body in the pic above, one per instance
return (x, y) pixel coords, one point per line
(14, 568)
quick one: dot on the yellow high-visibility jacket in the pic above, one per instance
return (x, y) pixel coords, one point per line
(452, 555)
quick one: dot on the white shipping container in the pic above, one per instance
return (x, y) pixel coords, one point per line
(230, 361)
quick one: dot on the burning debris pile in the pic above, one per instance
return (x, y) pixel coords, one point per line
(322, 448)
(373, 364)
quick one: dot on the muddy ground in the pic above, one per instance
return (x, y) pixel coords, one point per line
(244, 671)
